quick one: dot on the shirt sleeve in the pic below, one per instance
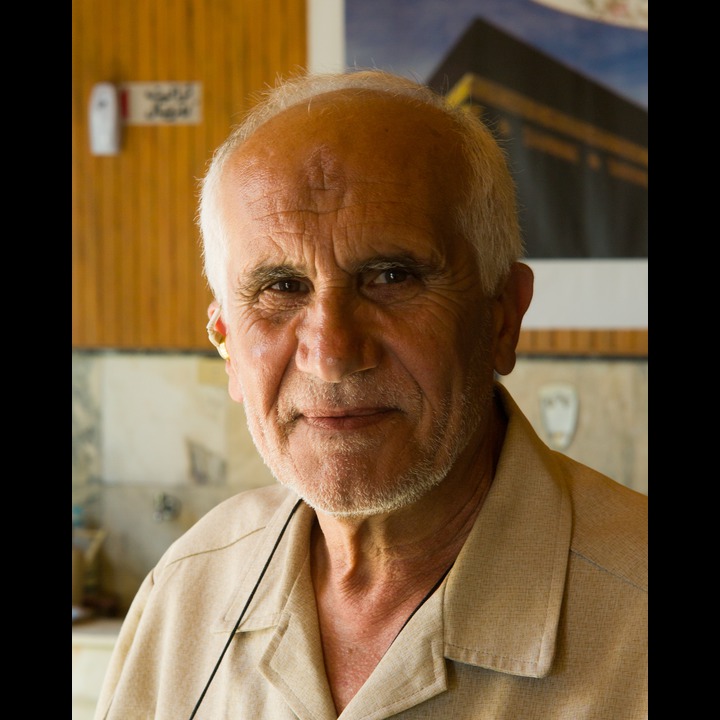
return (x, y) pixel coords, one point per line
(123, 648)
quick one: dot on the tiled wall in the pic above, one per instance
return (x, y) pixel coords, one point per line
(149, 428)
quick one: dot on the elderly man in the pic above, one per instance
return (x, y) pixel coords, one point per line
(423, 554)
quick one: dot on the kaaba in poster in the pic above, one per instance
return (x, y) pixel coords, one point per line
(578, 152)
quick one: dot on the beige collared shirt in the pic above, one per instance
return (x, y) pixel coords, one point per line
(543, 616)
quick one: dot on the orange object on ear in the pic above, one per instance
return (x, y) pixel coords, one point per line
(215, 337)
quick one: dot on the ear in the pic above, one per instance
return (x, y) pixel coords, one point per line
(510, 307)
(217, 333)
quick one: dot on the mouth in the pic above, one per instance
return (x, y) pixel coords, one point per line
(344, 419)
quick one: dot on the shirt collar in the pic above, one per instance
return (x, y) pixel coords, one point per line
(504, 595)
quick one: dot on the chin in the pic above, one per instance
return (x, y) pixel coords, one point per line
(340, 495)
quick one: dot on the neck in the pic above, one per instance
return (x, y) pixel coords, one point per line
(408, 549)
(415, 543)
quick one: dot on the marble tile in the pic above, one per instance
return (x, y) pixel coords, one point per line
(86, 450)
(160, 425)
(612, 422)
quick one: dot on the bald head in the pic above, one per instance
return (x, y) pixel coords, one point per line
(362, 127)
(354, 145)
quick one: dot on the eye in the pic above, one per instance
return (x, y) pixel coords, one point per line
(391, 276)
(388, 283)
(289, 285)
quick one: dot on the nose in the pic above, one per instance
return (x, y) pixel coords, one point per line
(335, 338)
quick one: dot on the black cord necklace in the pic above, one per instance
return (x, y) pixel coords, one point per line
(428, 595)
(242, 612)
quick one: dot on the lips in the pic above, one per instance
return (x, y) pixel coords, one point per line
(339, 419)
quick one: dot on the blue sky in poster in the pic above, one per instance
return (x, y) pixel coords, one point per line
(412, 37)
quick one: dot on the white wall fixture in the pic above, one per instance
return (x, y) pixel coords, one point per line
(104, 120)
(559, 411)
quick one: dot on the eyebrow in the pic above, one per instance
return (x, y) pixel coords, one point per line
(385, 262)
(265, 275)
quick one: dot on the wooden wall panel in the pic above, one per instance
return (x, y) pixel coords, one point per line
(585, 343)
(137, 278)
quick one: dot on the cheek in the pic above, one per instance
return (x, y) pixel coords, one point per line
(444, 357)
(446, 334)
(263, 356)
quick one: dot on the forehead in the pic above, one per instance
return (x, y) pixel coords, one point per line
(347, 168)
(350, 136)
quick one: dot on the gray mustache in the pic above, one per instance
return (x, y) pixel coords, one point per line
(350, 392)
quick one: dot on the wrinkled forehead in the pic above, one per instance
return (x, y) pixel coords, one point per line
(355, 136)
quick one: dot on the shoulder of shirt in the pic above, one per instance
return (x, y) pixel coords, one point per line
(609, 519)
(240, 517)
(610, 524)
